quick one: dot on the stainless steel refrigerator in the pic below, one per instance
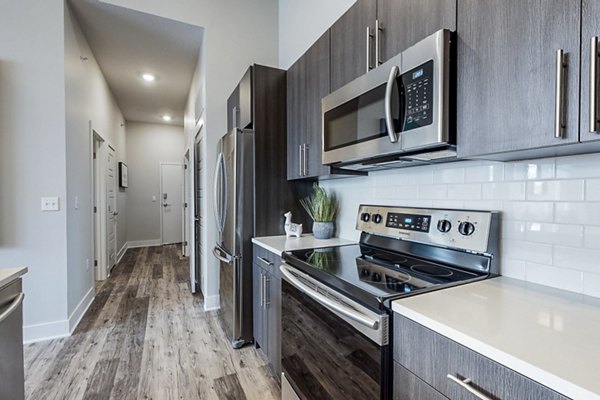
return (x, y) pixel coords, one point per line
(234, 213)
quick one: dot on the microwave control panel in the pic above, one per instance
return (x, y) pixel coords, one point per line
(417, 92)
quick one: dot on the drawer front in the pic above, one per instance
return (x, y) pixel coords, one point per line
(266, 259)
(409, 386)
(433, 357)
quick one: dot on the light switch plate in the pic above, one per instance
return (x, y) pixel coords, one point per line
(50, 204)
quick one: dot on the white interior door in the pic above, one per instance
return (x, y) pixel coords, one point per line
(186, 208)
(171, 182)
(111, 214)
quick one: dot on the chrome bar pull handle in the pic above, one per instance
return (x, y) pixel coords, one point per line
(300, 159)
(305, 159)
(369, 37)
(378, 32)
(389, 120)
(594, 122)
(466, 384)
(267, 291)
(265, 261)
(559, 107)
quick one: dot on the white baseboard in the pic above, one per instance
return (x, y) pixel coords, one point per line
(143, 243)
(81, 308)
(46, 331)
(122, 252)
(212, 303)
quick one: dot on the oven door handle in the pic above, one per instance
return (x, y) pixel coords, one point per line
(346, 311)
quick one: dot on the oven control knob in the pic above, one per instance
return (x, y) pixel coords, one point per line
(444, 225)
(365, 272)
(376, 218)
(376, 277)
(466, 228)
(365, 217)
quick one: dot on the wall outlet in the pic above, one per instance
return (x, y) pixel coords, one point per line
(50, 204)
(77, 202)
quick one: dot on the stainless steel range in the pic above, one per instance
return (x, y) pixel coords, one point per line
(336, 302)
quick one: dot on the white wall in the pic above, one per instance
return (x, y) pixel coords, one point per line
(237, 33)
(301, 23)
(148, 145)
(88, 98)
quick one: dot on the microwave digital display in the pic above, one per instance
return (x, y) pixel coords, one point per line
(417, 92)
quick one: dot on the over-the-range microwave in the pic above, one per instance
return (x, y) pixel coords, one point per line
(399, 114)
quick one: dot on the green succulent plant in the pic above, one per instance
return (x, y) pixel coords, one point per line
(320, 205)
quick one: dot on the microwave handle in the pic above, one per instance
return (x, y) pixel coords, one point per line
(389, 121)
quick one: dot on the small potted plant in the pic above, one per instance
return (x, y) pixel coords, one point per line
(322, 208)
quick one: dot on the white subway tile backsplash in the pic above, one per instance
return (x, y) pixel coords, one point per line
(513, 268)
(449, 175)
(555, 190)
(578, 213)
(566, 235)
(468, 191)
(526, 251)
(557, 277)
(433, 192)
(525, 170)
(591, 284)
(577, 258)
(592, 189)
(504, 191)
(550, 210)
(529, 211)
(484, 173)
(582, 166)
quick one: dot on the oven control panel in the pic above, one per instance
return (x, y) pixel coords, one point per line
(464, 229)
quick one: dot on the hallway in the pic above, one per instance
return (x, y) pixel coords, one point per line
(146, 336)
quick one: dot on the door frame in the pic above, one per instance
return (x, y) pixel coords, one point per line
(196, 261)
(98, 196)
(162, 239)
(108, 267)
(186, 205)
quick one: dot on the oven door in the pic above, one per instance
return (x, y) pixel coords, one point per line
(331, 346)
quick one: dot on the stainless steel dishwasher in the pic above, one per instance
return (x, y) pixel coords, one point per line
(12, 379)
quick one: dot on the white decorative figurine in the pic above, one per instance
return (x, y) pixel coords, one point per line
(291, 229)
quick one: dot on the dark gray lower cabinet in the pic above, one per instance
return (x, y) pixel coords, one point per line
(408, 386)
(267, 306)
(432, 357)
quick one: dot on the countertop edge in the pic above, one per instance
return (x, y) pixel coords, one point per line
(537, 374)
(11, 276)
(265, 246)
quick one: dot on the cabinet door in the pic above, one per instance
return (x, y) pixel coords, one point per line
(590, 27)
(317, 86)
(259, 320)
(274, 316)
(405, 22)
(349, 43)
(308, 83)
(246, 103)
(296, 122)
(408, 386)
(507, 69)
(233, 108)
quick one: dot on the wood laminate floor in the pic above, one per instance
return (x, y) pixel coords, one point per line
(146, 336)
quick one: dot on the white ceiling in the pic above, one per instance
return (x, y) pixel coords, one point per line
(127, 43)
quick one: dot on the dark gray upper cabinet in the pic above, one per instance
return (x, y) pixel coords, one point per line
(308, 83)
(405, 22)
(590, 27)
(349, 38)
(507, 74)
(240, 102)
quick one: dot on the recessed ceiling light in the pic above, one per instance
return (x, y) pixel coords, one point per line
(166, 118)
(148, 77)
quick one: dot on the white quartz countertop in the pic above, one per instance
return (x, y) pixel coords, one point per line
(7, 275)
(551, 336)
(279, 244)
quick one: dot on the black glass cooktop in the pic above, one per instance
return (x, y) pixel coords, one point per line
(368, 273)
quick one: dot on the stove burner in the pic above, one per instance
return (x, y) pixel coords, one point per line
(432, 270)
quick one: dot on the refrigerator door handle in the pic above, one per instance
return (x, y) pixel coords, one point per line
(225, 193)
(217, 192)
(222, 255)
